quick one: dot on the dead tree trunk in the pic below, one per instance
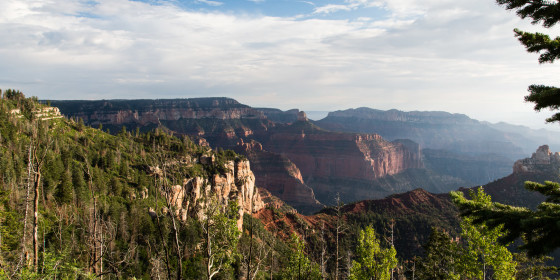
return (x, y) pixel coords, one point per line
(36, 222)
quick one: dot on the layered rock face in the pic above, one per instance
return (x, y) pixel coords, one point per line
(280, 176)
(352, 156)
(143, 112)
(238, 184)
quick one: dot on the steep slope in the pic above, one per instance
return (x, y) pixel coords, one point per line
(222, 122)
(413, 214)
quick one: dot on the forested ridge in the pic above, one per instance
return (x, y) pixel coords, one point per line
(100, 201)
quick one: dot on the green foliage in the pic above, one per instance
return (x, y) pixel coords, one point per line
(299, 266)
(64, 192)
(220, 237)
(95, 195)
(545, 12)
(441, 257)
(533, 267)
(539, 228)
(372, 261)
(483, 254)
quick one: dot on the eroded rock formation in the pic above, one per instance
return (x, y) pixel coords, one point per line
(237, 184)
(542, 159)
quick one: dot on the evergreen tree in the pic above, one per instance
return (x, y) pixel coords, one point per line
(539, 228)
(372, 261)
(547, 13)
(64, 191)
(441, 255)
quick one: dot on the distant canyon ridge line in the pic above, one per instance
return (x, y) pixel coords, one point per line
(356, 153)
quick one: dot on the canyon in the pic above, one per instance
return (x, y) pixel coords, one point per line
(297, 161)
(353, 154)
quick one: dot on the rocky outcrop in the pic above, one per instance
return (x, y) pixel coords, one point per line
(541, 160)
(542, 166)
(237, 184)
(279, 116)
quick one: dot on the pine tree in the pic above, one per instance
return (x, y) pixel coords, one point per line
(64, 191)
(547, 13)
(483, 255)
(441, 255)
(534, 268)
(539, 228)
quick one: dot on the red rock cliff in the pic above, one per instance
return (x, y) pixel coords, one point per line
(280, 176)
(352, 156)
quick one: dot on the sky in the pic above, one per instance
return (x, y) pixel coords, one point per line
(458, 56)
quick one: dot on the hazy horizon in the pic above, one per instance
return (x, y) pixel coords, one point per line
(453, 56)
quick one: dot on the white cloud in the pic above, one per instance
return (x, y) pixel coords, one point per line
(211, 3)
(349, 6)
(458, 56)
(331, 8)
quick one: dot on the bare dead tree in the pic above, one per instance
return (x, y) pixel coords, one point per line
(38, 155)
(116, 261)
(95, 237)
(340, 228)
(256, 253)
(323, 258)
(162, 163)
(170, 205)
(159, 227)
(391, 240)
(24, 254)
